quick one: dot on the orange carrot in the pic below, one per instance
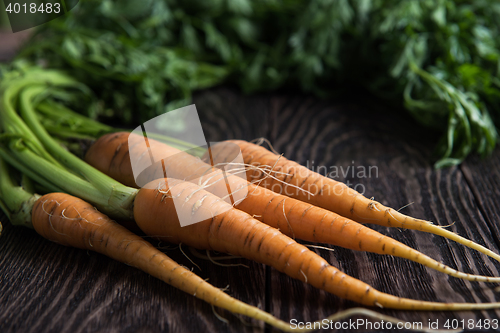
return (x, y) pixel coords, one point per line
(70, 221)
(111, 155)
(233, 231)
(297, 181)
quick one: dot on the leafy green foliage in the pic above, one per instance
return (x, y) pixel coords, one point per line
(438, 58)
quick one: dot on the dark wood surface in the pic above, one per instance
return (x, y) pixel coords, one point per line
(45, 287)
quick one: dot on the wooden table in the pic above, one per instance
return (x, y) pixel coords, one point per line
(45, 287)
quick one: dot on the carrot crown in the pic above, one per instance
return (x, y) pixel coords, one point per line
(27, 145)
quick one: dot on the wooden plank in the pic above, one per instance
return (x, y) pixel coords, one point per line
(226, 114)
(483, 177)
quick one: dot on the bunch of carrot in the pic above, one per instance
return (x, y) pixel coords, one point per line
(71, 221)
(257, 227)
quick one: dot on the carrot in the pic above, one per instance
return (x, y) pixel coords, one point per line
(70, 221)
(233, 231)
(297, 181)
(111, 154)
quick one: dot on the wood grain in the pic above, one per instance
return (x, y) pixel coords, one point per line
(49, 288)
